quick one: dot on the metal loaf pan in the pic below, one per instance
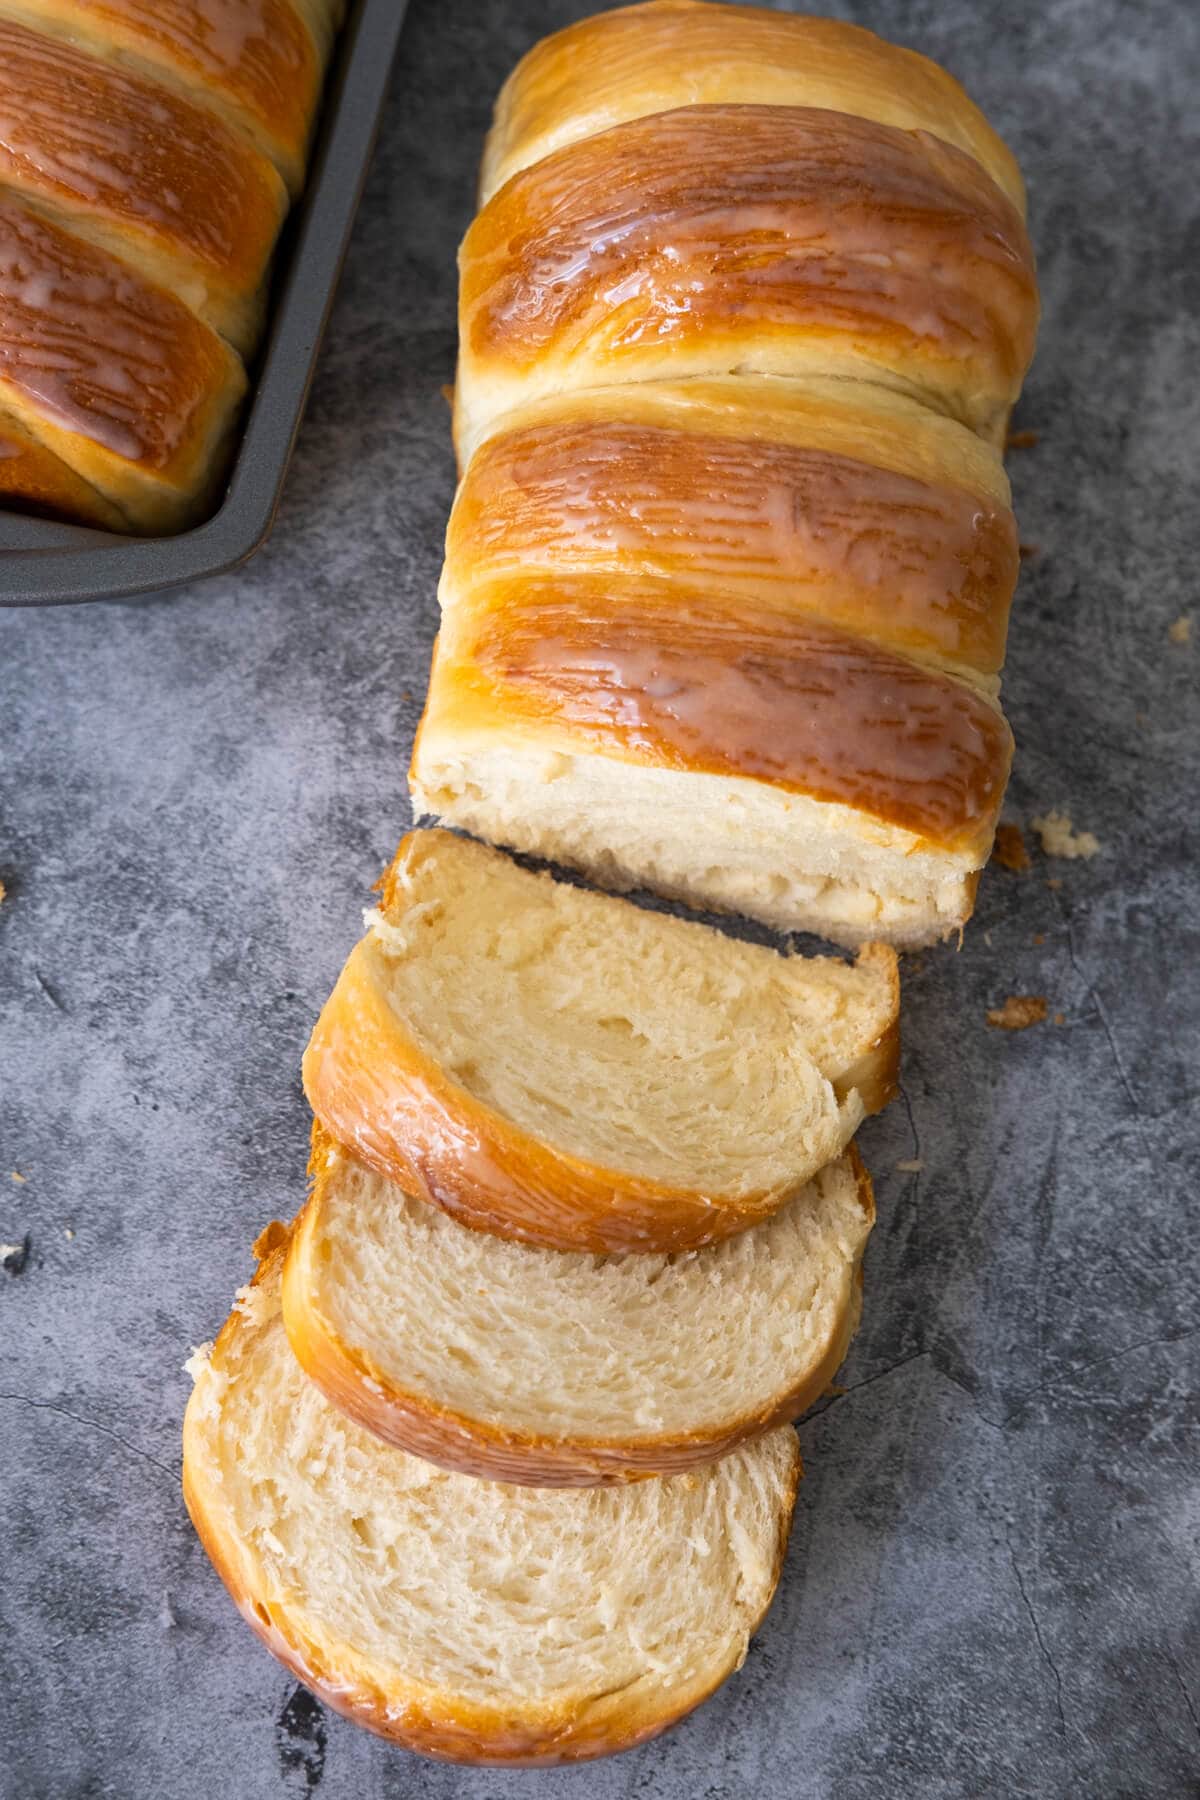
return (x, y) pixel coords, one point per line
(43, 563)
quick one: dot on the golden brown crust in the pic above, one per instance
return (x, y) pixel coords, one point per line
(440, 1725)
(142, 170)
(110, 372)
(924, 566)
(375, 1090)
(668, 677)
(470, 1446)
(766, 237)
(444, 1727)
(257, 65)
(651, 58)
(34, 480)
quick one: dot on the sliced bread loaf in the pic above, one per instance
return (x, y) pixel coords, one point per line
(553, 1368)
(467, 1619)
(562, 1067)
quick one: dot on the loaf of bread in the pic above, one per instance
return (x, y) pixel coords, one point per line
(467, 1619)
(148, 152)
(557, 1066)
(553, 1369)
(742, 321)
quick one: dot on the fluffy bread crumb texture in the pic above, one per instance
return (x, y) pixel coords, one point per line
(546, 1367)
(465, 1618)
(556, 1065)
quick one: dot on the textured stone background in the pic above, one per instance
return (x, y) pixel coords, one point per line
(991, 1587)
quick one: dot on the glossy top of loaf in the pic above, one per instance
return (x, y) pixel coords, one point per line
(778, 240)
(130, 163)
(826, 507)
(256, 62)
(645, 59)
(660, 673)
(108, 370)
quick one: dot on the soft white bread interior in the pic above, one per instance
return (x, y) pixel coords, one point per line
(715, 841)
(559, 1066)
(467, 1619)
(553, 1368)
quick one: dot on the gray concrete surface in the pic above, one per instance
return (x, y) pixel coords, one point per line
(992, 1584)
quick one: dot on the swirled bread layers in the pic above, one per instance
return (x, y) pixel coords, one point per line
(256, 63)
(112, 376)
(145, 160)
(648, 59)
(828, 498)
(134, 167)
(763, 240)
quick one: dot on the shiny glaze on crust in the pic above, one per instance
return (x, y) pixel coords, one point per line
(650, 58)
(486, 1451)
(731, 223)
(97, 141)
(35, 481)
(660, 675)
(256, 56)
(94, 349)
(917, 564)
(376, 1091)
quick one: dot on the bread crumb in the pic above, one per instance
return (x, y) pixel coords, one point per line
(17, 1176)
(269, 1238)
(68, 1233)
(1018, 1012)
(1059, 837)
(1022, 440)
(987, 938)
(197, 1362)
(912, 1166)
(446, 390)
(1027, 552)
(1055, 881)
(1039, 937)
(13, 1257)
(1060, 1018)
(1179, 633)
(1010, 850)
(4, 890)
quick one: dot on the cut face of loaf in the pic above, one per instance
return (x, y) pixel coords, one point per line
(559, 1369)
(763, 240)
(779, 606)
(716, 753)
(653, 58)
(465, 1619)
(561, 1067)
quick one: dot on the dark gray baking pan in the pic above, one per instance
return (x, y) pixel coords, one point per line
(47, 564)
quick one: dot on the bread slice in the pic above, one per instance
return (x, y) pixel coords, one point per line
(562, 1067)
(466, 1619)
(561, 1369)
